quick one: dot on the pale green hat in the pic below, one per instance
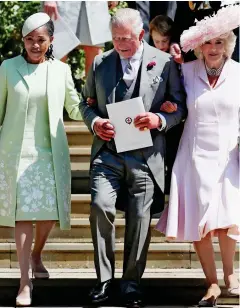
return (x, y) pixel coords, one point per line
(33, 22)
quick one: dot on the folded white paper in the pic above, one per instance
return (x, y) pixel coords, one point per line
(64, 39)
(127, 136)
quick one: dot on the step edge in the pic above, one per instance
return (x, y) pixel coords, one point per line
(72, 247)
(88, 247)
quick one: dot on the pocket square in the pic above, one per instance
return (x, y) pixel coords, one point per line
(157, 79)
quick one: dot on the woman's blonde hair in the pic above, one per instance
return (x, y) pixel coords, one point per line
(229, 44)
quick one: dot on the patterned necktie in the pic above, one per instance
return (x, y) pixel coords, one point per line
(129, 74)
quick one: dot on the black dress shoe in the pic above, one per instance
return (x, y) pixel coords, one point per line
(100, 292)
(133, 300)
(210, 302)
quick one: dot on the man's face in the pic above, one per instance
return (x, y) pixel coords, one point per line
(125, 42)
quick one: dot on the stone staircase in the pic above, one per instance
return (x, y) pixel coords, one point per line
(73, 248)
(72, 251)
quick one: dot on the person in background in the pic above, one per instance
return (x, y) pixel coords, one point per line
(205, 185)
(161, 31)
(161, 28)
(70, 11)
(35, 172)
(150, 9)
(187, 13)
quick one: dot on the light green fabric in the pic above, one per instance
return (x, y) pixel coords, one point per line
(36, 186)
(15, 85)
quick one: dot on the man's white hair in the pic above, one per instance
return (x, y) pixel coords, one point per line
(126, 16)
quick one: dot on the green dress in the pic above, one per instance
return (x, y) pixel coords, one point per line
(36, 187)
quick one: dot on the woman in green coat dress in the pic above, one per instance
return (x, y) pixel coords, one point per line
(35, 173)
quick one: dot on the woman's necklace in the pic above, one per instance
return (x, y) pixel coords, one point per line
(214, 71)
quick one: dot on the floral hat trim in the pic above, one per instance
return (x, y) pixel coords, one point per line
(224, 21)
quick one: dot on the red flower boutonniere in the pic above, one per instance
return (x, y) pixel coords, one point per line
(151, 65)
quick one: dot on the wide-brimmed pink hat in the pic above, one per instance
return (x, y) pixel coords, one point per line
(225, 20)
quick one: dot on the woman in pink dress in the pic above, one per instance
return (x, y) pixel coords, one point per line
(205, 189)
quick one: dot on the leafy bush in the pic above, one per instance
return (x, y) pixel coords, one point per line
(12, 17)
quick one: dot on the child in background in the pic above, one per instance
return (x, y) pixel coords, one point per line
(161, 30)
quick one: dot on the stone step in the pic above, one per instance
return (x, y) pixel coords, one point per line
(80, 182)
(80, 150)
(80, 255)
(81, 206)
(77, 133)
(80, 141)
(80, 232)
(179, 288)
(80, 157)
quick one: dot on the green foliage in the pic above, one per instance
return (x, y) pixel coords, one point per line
(12, 17)
(121, 4)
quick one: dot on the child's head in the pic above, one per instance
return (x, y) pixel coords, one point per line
(161, 28)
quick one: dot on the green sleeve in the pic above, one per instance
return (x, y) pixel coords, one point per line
(71, 97)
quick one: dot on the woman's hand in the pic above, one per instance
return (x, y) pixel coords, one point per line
(168, 107)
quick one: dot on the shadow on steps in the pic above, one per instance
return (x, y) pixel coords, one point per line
(74, 293)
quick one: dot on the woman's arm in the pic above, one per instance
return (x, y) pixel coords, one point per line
(3, 92)
(71, 97)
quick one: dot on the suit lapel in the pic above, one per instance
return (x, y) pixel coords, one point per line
(147, 87)
(23, 70)
(110, 76)
(202, 74)
(146, 91)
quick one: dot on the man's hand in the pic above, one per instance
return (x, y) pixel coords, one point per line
(175, 51)
(168, 107)
(147, 120)
(112, 4)
(50, 7)
(104, 129)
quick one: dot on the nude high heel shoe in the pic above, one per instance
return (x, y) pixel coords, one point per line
(235, 291)
(211, 300)
(25, 300)
(233, 287)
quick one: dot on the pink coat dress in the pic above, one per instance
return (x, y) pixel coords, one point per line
(205, 186)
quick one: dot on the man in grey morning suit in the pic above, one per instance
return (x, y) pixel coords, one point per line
(131, 69)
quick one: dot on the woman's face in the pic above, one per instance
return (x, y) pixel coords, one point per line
(36, 44)
(213, 51)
